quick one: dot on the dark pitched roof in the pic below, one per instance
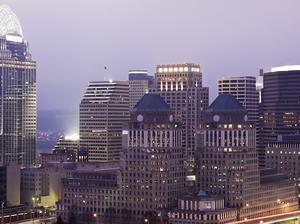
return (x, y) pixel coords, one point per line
(151, 102)
(226, 103)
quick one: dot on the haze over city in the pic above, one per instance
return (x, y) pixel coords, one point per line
(72, 41)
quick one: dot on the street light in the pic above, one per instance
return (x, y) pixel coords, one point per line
(96, 217)
(146, 221)
(32, 213)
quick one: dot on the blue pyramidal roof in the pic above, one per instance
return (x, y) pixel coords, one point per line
(226, 103)
(152, 102)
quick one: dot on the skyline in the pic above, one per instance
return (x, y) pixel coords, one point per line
(151, 40)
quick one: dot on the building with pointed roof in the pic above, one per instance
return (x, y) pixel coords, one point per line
(152, 159)
(18, 93)
(227, 164)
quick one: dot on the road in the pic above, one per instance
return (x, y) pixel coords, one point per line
(37, 221)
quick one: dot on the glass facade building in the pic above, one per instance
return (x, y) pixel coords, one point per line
(17, 94)
(280, 107)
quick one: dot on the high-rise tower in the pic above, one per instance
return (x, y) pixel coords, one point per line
(140, 83)
(280, 106)
(103, 111)
(18, 93)
(181, 87)
(152, 160)
(227, 164)
(243, 88)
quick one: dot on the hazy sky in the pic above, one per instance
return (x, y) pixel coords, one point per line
(72, 40)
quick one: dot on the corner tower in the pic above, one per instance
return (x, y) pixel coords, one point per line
(152, 157)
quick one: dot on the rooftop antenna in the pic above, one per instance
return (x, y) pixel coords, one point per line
(107, 76)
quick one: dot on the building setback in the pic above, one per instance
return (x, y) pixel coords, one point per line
(103, 111)
(17, 95)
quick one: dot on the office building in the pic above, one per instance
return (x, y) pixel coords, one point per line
(65, 150)
(181, 87)
(228, 164)
(18, 93)
(243, 88)
(202, 209)
(150, 177)
(140, 83)
(284, 156)
(90, 191)
(103, 111)
(34, 185)
(10, 179)
(280, 107)
(152, 160)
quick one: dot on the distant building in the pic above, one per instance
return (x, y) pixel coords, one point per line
(140, 83)
(228, 164)
(181, 87)
(10, 180)
(18, 93)
(280, 107)
(152, 160)
(202, 209)
(66, 150)
(243, 88)
(103, 111)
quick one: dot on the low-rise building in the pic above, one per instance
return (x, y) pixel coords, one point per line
(202, 209)
(284, 156)
(10, 178)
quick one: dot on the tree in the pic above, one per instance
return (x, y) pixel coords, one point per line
(59, 220)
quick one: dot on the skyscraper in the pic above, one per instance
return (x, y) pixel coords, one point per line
(140, 83)
(103, 111)
(227, 164)
(244, 90)
(18, 93)
(152, 160)
(181, 87)
(280, 107)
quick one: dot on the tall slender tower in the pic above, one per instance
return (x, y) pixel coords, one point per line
(17, 93)
(103, 111)
(181, 87)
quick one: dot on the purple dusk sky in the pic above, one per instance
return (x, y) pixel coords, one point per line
(72, 40)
